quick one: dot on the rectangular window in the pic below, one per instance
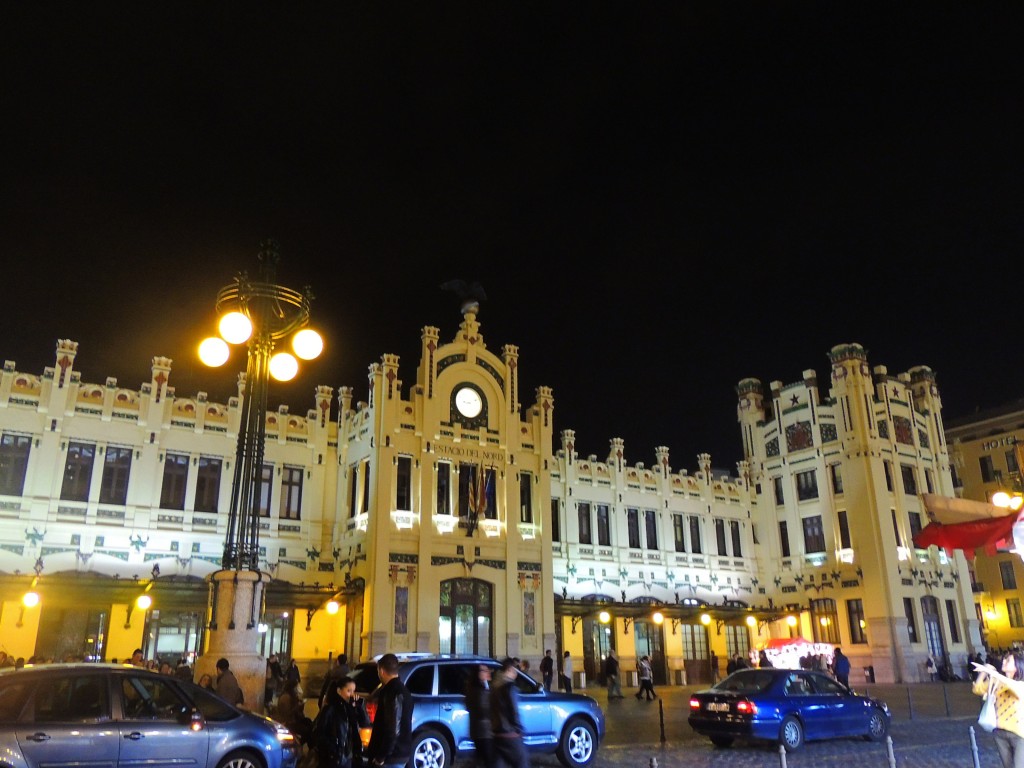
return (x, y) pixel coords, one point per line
(855, 612)
(353, 491)
(887, 466)
(780, 497)
(556, 529)
(490, 492)
(737, 545)
(604, 528)
(896, 529)
(929, 481)
(583, 513)
(651, 525)
(954, 622)
(720, 536)
(172, 492)
(915, 523)
(814, 535)
(695, 541)
(1013, 614)
(403, 484)
(909, 480)
(266, 486)
(14, 451)
(807, 485)
(525, 497)
(444, 488)
(844, 530)
(679, 532)
(364, 470)
(633, 526)
(784, 538)
(837, 479)
(78, 472)
(1011, 462)
(988, 472)
(208, 484)
(117, 464)
(908, 611)
(1007, 575)
(291, 493)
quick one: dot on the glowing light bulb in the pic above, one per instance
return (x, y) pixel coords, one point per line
(307, 344)
(235, 328)
(214, 352)
(283, 366)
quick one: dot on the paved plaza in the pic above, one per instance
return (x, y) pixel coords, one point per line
(931, 728)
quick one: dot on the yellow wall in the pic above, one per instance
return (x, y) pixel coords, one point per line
(326, 635)
(120, 641)
(18, 641)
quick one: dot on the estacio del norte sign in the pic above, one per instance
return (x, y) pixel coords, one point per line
(469, 452)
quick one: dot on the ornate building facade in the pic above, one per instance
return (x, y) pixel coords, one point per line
(440, 517)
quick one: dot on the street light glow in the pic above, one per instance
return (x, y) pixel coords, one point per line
(235, 328)
(284, 366)
(30, 599)
(143, 602)
(307, 344)
(214, 352)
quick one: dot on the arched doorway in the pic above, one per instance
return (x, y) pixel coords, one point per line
(650, 642)
(466, 617)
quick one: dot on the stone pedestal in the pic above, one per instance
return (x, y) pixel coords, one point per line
(236, 598)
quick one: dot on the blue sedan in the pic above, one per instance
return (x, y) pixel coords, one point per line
(785, 706)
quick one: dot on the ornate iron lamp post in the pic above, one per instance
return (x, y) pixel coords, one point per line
(260, 313)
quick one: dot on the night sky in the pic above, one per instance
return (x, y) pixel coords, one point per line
(658, 199)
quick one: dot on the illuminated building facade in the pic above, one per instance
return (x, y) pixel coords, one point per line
(985, 450)
(439, 517)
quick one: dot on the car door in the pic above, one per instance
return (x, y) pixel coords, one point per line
(155, 727)
(534, 712)
(68, 723)
(839, 706)
(803, 699)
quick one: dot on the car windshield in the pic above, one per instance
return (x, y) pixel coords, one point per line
(746, 681)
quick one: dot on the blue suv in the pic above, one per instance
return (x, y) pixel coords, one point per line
(570, 725)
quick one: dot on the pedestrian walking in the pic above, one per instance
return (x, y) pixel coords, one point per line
(508, 728)
(646, 676)
(391, 737)
(841, 667)
(1009, 689)
(567, 672)
(547, 670)
(478, 706)
(227, 686)
(611, 675)
(335, 732)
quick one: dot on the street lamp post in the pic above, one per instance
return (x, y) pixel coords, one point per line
(259, 313)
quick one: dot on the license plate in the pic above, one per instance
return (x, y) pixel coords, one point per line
(716, 706)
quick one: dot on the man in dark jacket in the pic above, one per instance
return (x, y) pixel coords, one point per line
(227, 686)
(391, 738)
(505, 723)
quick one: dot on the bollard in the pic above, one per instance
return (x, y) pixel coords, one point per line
(782, 756)
(661, 714)
(892, 755)
(974, 748)
(945, 697)
(910, 704)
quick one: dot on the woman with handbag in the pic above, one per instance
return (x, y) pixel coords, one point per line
(1004, 692)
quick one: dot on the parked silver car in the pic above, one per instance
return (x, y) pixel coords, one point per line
(570, 725)
(112, 716)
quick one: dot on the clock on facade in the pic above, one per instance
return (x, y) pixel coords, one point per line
(468, 402)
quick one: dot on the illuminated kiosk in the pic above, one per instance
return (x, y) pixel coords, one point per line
(259, 313)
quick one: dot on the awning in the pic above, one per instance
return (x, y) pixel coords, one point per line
(966, 525)
(945, 510)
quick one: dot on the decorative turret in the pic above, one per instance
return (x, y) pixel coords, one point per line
(617, 453)
(661, 458)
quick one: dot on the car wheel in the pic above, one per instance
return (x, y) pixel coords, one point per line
(722, 741)
(241, 759)
(878, 726)
(430, 750)
(578, 744)
(791, 734)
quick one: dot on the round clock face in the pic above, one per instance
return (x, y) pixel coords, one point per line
(468, 401)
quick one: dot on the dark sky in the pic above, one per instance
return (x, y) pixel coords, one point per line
(659, 199)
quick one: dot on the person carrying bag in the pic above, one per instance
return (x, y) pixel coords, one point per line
(1003, 692)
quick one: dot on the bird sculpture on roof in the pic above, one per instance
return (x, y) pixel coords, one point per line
(471, 294)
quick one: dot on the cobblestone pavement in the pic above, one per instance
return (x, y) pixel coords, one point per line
(923, 736)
